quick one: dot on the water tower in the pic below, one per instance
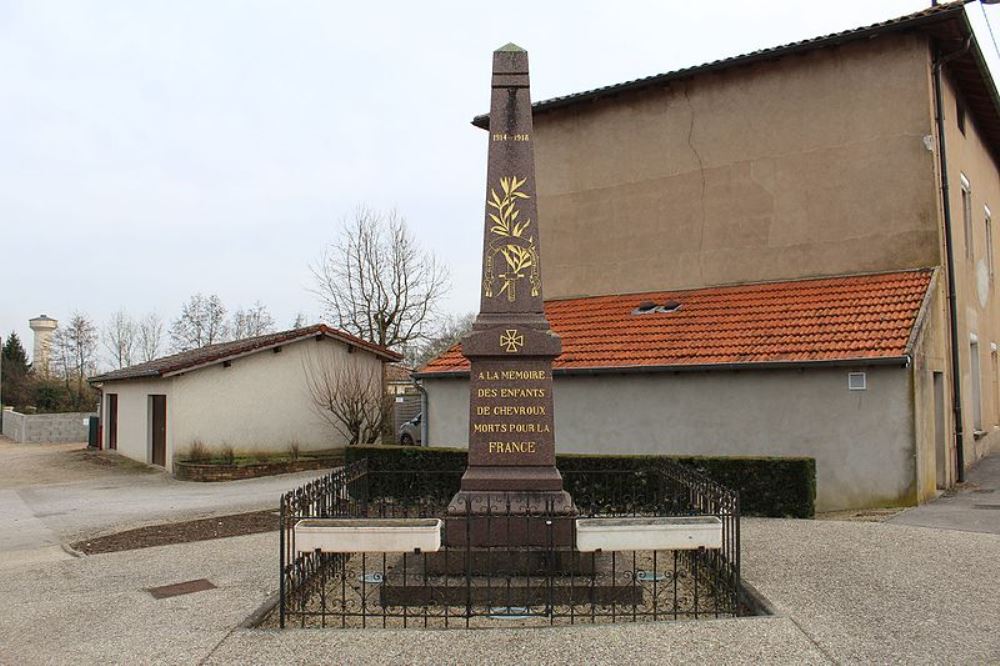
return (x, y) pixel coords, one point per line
(43, 326)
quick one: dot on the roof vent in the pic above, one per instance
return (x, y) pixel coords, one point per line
(647, 307)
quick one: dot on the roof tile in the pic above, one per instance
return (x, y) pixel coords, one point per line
(824, 319)
(210, 354)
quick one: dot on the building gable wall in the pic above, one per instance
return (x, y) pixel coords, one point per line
(809, 165)
(261, 402)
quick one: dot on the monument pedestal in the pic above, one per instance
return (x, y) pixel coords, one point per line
(479, 518)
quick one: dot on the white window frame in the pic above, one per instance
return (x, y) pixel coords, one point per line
(976, 377)
(988, 217)
(967, 216)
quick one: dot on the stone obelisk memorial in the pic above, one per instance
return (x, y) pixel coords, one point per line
(512, 463)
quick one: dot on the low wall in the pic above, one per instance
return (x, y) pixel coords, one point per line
(188, 471)
(64, 427)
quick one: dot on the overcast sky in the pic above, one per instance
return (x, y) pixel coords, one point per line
(152, 150)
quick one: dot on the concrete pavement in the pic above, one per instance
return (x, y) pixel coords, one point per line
(55, 494)
(975, 507)
(846, 593)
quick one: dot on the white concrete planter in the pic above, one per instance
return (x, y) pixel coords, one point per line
(375, 535)
(681, 533)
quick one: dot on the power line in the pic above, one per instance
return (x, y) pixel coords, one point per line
(989, 26)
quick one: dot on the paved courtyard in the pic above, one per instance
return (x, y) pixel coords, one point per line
(845, 592)
(974, 508)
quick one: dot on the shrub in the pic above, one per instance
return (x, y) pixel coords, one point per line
(227, 455)
(198, 452)
(768, 486)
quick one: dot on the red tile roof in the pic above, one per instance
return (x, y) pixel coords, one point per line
(217, 353)
(398, 373)
(836, 319)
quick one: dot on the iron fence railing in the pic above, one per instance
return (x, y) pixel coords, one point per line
(543, 582)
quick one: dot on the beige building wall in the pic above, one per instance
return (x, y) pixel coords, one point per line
(863, 441)
(979, 308)
(134, 434)
(261, 402)
(812, 164)
(934, 447)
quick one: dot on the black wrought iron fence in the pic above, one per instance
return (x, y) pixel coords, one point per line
(545, 581)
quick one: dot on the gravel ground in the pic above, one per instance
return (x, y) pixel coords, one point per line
(42, 464)
(846, 592)
(881, 593)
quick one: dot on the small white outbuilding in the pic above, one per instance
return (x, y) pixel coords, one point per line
(252, 394)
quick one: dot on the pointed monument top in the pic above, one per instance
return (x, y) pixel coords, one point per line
(510, 47)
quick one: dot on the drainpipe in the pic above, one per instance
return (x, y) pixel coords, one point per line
(424, 417)
(956, 371)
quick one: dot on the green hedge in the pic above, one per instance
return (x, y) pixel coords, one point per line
(768, 486)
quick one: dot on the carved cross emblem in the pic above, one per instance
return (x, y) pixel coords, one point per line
(511, 341)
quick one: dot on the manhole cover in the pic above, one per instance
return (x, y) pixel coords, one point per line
(177, 589)
(984, 491)
(986, 506)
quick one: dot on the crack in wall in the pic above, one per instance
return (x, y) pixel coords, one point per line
(701, 172)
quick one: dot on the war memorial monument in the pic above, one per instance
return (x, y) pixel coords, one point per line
(512, 452)
(379, 545)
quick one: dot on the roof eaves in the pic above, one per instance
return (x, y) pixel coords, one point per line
(347, 338)
(117, 375)
(902, 361)
(321, 330)
(917, 19)
(182, 368)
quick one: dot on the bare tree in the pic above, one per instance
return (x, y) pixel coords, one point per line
(121, 337)
(75, 351)
(253, 321)
(349, 395)
(149, 337)
(450, 330)
(300, 320)
(376, 283)
(202, 322)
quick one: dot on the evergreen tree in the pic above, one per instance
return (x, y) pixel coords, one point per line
(14, 356)
(15, 388)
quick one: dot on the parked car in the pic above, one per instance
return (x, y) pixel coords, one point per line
(409, 432)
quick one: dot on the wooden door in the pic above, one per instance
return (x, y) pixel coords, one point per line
(113, 421)
(159, 429)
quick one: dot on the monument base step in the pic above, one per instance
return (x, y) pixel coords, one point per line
(483, 518)
(507, 562)
(509, 595)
